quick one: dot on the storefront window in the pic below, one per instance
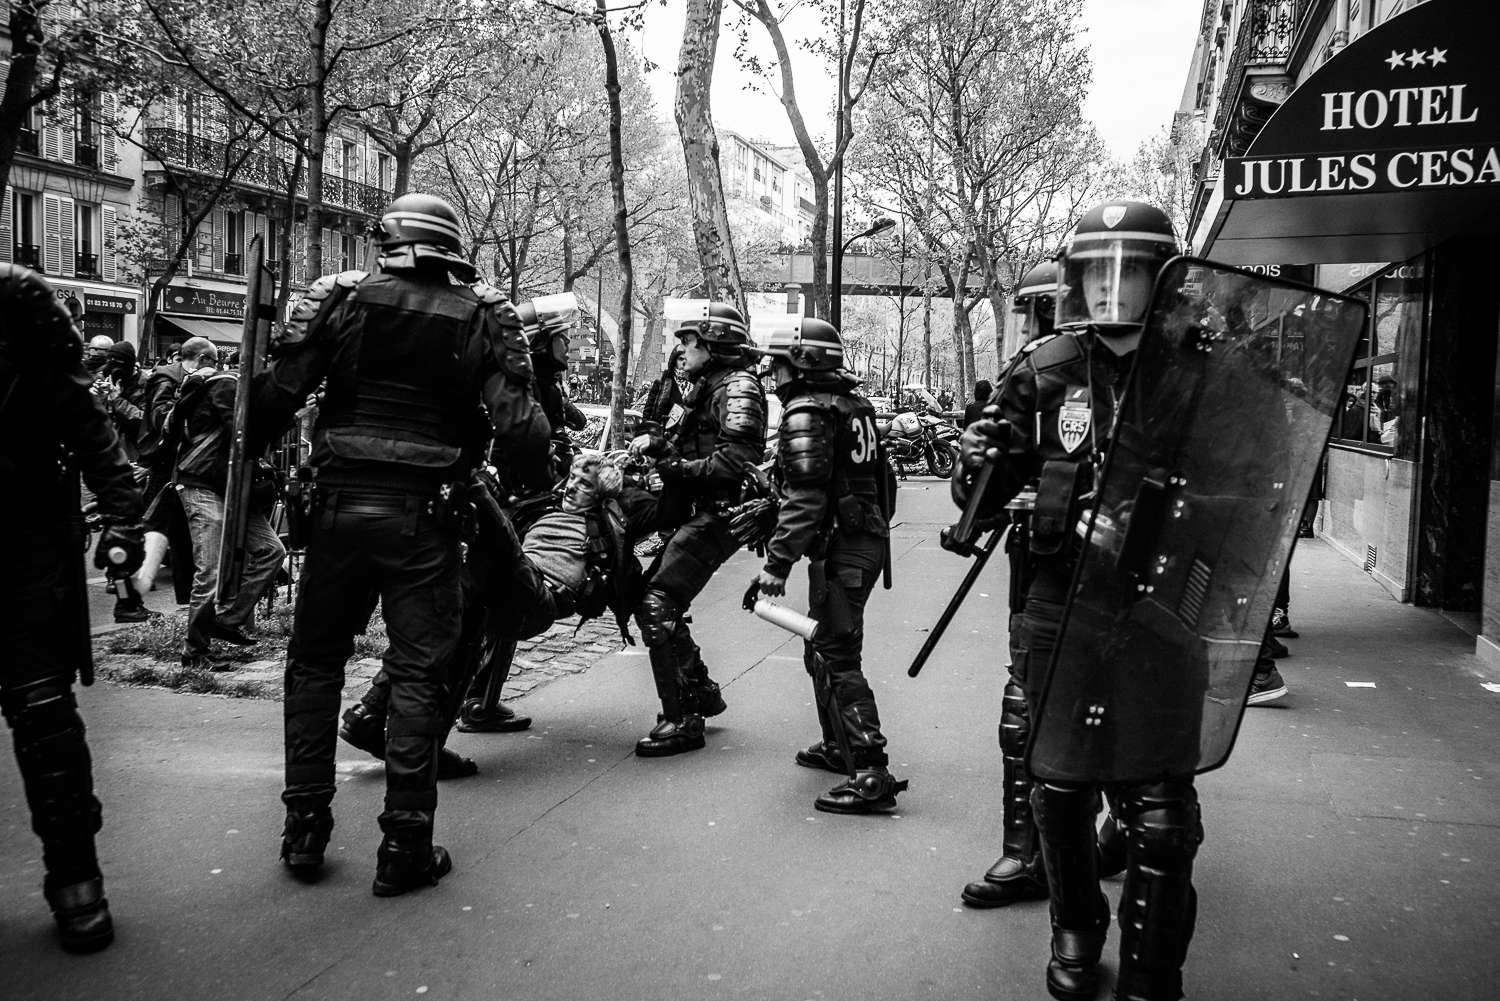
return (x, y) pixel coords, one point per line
(1374, 398)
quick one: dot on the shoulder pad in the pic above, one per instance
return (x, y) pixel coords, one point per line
(806, 402)
(744, 406)
(489, 294)
(307, 308)
(1053, 351)
(806, 443)
(507, 338)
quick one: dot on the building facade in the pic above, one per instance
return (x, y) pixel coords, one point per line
(1353, 144)
(768, 184)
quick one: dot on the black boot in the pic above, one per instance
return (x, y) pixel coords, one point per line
(1073, 971)
(502, 719)
(1019, 873)
(872, 790)
(304, 839)
(1080, 913)
(822, 755)
(133, 609)
(452, 765)
(702, 697)
(1158, 906)
(363, 729)
(671, 736)
(82, 915)
(404, 864)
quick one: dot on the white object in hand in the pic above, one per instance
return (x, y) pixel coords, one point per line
(780, 615)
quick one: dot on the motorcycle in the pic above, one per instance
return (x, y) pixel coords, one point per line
(915, 442)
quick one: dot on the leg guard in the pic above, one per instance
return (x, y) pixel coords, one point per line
(1158, 907)
(658, 620)
(1019, 874)
(58, 775)
(1080, 913)
(701, 693)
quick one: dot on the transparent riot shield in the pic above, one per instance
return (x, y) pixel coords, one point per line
(1229, 407)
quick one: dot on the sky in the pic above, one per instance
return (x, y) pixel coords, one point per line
(1140, 49)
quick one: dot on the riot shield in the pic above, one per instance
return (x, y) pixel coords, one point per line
(1220, 432)
(260, 309)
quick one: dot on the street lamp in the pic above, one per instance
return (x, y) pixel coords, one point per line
(836, 305)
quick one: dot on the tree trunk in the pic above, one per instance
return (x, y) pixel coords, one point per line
(284, 241)
(317, 136)
(404, 157)
(927, 324)
(818, 238)
(26, 47)
(700, 147)
(620, 398)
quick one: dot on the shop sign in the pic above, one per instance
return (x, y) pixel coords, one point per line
(203, 302)
(1382, 118)
(100, 302)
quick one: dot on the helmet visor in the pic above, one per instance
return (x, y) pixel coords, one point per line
(1108, 283)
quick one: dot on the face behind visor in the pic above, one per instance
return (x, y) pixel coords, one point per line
(1110, 266)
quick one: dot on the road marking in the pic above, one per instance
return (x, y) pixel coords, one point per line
(1360, 684)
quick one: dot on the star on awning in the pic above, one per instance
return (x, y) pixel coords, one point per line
(1417, 57)
(1438, 56)
(1397, 60)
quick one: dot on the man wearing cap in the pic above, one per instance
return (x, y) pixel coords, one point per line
(419, 375)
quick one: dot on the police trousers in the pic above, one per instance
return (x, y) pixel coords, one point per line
(837, 602)
(41, 631)
(391, 544)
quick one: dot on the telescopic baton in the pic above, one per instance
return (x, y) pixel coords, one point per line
(960, 539)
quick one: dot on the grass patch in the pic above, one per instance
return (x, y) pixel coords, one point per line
(151, 653)
(174, 677)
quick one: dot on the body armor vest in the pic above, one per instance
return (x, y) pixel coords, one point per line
(855, 446)
(699, 432)
(403, 381)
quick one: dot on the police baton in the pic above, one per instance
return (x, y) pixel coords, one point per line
(960, 539)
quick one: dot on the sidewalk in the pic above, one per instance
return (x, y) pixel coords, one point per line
(1352, 849)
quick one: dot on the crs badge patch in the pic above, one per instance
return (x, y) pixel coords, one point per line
(1074, 419)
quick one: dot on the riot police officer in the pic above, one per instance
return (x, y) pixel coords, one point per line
(702, 462)
(51, 429)
(1056, 412)
(1019, 874)
(407, 358)
(829, 467)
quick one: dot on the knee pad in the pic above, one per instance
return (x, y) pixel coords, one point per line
(657, 618)
(54, 759)
(1163, 825)
(1065, 813)
(1015, 721)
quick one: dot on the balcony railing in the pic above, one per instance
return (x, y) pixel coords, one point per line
(86, 265)
(259, 170)
(28, 255)
(1267, 31)
(234, 264)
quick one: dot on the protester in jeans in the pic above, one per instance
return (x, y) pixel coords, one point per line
(205, 407)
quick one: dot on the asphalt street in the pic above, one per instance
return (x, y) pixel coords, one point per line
(1353, 840)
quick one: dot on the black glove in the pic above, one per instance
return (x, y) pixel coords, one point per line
(989, 432)
(674, 468)
(115, 540)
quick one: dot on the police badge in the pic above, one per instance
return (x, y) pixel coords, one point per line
(1074, 419)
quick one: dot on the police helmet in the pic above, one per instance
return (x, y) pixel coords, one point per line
(720, 327)
(429, 225)
(807, 344)
(1110, 264)
(1036, 298)
(548, 322)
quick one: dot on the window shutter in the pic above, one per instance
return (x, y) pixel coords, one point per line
(109, 140)
(51, 140)
(330, 253)
(299, 254)
(67, 237)
(7, 227)
(172, 224)
(51, 237)
(216, 241)
(107, 243)
(63, 110)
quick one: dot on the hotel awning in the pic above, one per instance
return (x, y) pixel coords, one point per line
(1388, 149)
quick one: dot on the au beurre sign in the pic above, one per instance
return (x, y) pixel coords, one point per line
(1413, 105)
